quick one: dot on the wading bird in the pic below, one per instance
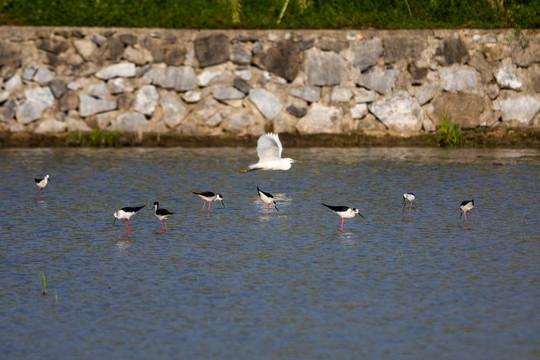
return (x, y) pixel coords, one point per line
(410, 198)
(344, 212)
(126, 213)
(467, 205)
(209, 196)
(42, 183)
(162, 215)
(269, 150)
(267, 199)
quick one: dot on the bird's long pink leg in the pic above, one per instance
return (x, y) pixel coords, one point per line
(342, 220)
(410, 210)
(128, 229)
(39, 193)
(203, 205)
(472, 217)
(465, 217)
(165, 224)
(209, 204)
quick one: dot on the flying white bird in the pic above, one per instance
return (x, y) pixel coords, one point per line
(269, 150)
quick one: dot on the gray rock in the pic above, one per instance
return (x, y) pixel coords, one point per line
(216, 119)
(227, 93)
(320, 119)
(453, 51)
(207, 76)
(324, 68)
(53, 45)
(98, 90)
(192, 96)
(174, 111)
(37, 100)
(74, 123)
(242, 85)
(9, 110)
(362, 95)
(458, 78)
(359, 111)
(328, 43)
(521, 108)
(13, 82)
(10, 55)
(180, 78)
(309, 93)
(267, 103)
(298, 112)
(117, 70)
(380, 81)
(28, 73)
(142, 70)
(118, 86)
(366, 53)
(307, 44)
(89, 105)
(284, 123)
(86, 48)
(426, 93)
(131, 122)
(506, 76)
(128, 39)
(113, 49)
(174, 55)
(139, 56)
(58, 88)
(283, 59)
(399, 48)
(240, 56)
(341, 94)
(68, 101)
(146, 100)
(463, 108)
(50, 126)
(398, 112)
(489, 39)
(211, 50)
(239, 122)
(98, 39)
(244, 74)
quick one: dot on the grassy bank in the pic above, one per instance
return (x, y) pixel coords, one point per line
(272, 14)
(481, 137)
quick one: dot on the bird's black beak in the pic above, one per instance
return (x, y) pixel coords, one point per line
(361, 215)
(461, 213)
(113, 221)
(276, 207)
(222, 203)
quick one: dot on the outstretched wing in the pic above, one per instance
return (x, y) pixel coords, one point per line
(336, 208)
(269, 147)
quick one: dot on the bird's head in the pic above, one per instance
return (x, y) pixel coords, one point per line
(220, 198)
(355, 210)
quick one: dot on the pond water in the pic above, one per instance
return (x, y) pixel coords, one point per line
(237, 284)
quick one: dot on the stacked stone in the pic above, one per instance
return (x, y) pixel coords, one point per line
(248, 82)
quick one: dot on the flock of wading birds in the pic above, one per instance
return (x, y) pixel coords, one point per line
(269, 151)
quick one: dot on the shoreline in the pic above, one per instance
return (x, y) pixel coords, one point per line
(473, 138)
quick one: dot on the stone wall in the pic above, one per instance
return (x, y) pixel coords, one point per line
(195, 82)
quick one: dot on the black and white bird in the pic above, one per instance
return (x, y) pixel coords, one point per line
(344, 212)
(162, 215)
(126, 213)
(42, 183)
(467, 205)
(410, 198)
(209, 196)
(267, 199)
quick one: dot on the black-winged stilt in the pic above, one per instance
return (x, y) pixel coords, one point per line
(162, 215)
(42, 183)
(344, 212)
(267, 199)
(126, 213)
(467, 205)
(209, 196)
(269, 151)
(410, 198)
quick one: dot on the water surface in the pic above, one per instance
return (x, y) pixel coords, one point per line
(237, 284)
